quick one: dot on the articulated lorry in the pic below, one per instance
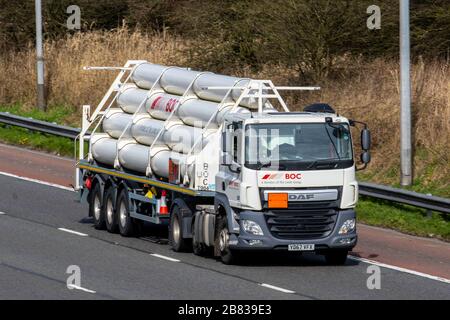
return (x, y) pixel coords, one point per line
(222, 162)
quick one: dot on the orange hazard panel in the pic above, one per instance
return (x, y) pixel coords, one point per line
(278, 200)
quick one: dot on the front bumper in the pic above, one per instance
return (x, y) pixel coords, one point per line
(268, 241)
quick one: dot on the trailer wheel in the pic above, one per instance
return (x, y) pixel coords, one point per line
(109, 211)
(95, 207)
(227, 255)
(126, 223)
(176, 240)
(336, 257)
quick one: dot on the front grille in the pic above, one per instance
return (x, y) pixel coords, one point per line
(305, 223)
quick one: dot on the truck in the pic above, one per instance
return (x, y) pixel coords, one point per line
(222, 162)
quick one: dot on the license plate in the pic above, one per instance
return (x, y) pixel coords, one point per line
(301, 247)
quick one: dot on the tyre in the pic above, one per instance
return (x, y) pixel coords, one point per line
(336, 257)
(125, 222)
(176, 240)
(109, 211)
(95, 207)
(199, 249)
(227, 255)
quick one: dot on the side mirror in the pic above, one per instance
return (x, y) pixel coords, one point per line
(226, 141)
(366, 157)
(226, 159)
(366, 140)
(236, 168)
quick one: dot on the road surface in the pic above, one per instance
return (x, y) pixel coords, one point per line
(44, 231)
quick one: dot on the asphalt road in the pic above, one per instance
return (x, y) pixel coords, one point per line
(35, 254)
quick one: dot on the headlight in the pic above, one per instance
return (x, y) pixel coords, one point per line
(252, 227)
(348, 226)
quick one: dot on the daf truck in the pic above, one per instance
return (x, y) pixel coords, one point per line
(222, 162)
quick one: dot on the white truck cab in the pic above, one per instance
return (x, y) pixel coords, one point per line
(289, 181)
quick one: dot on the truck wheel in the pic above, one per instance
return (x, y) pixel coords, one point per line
(198, 248)
(176, 240)
(221, 242)
(126, 223)
(336, 257)
(95, 208)
(109, 212)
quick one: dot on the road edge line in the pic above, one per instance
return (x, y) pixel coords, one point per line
(400, 269)
(49, 184)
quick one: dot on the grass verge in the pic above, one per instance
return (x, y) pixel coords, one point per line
(25, 138)
(34, 140)
(403, 218)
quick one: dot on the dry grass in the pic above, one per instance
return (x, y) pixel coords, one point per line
(67, 83)
(366, 92)
(370, 93)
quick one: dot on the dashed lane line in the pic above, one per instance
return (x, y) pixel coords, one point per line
(269, 286)
(164, 257)
(73, 232)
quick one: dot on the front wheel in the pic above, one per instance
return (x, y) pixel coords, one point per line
(336, 257)
(227, 255)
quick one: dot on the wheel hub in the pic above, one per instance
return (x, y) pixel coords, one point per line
(109, 212)
(97, 207)
(176, 230)
(123, 214)
(223, 240)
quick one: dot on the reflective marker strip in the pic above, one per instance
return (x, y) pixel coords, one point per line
(138, 179)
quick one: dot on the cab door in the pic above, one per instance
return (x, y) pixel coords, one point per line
(230, 175)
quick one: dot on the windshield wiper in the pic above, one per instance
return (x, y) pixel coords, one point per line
(326, 163)
(269, 165)
(331, 139)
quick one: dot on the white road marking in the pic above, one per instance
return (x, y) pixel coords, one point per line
(265, 285)
(400, 269)
(2, 213)
(73, 232)
(72, 286)
(36, 181)
(164, 257)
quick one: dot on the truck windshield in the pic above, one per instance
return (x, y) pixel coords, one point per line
(306, 146)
